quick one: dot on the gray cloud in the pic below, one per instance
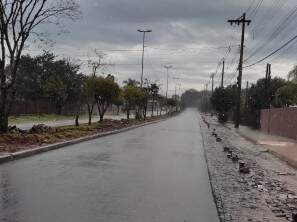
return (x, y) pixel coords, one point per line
(187, 34)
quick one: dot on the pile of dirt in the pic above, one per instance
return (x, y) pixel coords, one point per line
(42, 128)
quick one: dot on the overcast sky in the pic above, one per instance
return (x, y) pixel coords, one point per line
(191, 35)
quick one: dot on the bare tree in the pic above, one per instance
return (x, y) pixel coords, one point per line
(19, 20)
(98, 63)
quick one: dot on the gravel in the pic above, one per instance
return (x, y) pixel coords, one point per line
(267, 191)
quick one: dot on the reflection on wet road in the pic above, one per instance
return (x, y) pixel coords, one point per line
(156, 173)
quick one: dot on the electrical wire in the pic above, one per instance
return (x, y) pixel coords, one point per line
(272, 53)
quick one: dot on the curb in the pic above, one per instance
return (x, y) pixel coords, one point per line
(43, 149)
(214, 195)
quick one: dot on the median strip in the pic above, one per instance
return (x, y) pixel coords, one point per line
(45, 148)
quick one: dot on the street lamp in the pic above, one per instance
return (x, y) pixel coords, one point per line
(143, 40)
(167, 67)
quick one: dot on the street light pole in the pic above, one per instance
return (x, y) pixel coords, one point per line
(167, 67)
(143, 41)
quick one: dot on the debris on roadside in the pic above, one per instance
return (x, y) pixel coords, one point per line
(42, 128)
(248, 184)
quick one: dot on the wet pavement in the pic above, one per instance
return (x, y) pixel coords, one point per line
(156, 173)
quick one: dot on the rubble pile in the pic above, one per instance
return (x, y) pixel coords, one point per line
(42, 128)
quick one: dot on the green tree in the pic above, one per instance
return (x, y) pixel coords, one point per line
(60, 81)
(262, 97)
(292, 76)
(223, 100)
(132, 95)
(30, 78)
(154, 90)
(131, 82)
(171, 102)
(286, 96)
(56, 91)
(105, 91)
(45, 78)
(118, 101)
(89, 96)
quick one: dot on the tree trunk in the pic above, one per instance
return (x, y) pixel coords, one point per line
(5, 107)
(90, 113)
(59, 109)
(101, 112)
(128, 114)
(76, 120)
(3, 123)
(118, 110)
(153, 108)
(101, 118)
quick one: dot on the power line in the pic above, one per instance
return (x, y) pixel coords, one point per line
(280, 27)
(255, 11)
(250, 6)
(271, 54)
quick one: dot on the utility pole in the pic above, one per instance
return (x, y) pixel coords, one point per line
(206, 97)
(212, 83)
(267, 85)
(243, 22)
(246, 95)
(268, 71)
(167, 67)
(206, 94)
(143, 41)
(223, 73)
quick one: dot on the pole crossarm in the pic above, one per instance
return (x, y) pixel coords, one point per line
(240, 21)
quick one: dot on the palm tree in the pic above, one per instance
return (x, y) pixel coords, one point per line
(154, 89)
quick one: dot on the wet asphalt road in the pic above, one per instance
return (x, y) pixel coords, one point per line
(156, 173)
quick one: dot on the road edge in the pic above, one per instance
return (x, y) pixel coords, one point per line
(55, 146)
(215, 198)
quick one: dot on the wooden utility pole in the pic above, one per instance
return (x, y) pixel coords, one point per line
(267, 85)
(246, 95)
(223, 73)
(243, 22)
(268, 71)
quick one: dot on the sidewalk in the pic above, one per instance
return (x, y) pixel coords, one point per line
(284, 148)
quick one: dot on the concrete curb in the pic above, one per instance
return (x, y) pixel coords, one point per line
(42, 149)
(215, 197)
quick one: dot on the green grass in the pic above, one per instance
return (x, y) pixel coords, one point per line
(37, 118)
